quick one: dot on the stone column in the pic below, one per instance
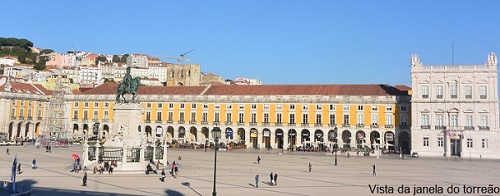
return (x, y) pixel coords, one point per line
(165, 153)
(259, 139)
(97, 146)
(142, 158)
(85, 154)
(272, 139)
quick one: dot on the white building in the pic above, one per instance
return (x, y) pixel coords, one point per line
(455, 109)
(90, 75)
(137, 60)
(7, 61)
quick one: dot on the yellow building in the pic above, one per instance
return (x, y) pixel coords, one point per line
(263, 116)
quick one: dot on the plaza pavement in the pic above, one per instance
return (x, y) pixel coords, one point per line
(236, 171)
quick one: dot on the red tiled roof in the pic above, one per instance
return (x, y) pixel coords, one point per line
(325, 89)
(402, 87)
(26, 88)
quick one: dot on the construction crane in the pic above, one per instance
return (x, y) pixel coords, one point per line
(181, 59)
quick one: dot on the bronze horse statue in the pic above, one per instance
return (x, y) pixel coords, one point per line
(130, 87)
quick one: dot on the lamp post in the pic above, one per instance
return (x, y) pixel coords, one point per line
(335, 146)
(216, 135)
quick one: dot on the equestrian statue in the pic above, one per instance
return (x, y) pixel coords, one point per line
(127, 85)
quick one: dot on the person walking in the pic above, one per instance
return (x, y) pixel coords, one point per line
(7, 151)
(257, 181)
(258, 159)
(374, 172)
(310, 167)
(111, 167)
(19, 169)
(162, 179)
(84, 178)
(275, 179)
(271, 177)
(173, 167)
(33, 164)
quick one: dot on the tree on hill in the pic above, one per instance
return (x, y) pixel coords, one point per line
(124, 58)
(100, 58)
(116, 58)
(23, 43)
(46, 51)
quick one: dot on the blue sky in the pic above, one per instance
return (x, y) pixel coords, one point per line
(278, 42)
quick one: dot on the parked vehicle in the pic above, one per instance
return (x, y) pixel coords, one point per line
(414, 155)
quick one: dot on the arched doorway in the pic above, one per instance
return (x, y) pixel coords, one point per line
(404, 142)
(279, 138)
(19, 127)
(360, 140)
(241, 133)
(204, 133)
(105, 131)
(374, 139)
(305, 140)
(292, 137)
(318, 138)
(37, 129)
(389, 140)
(346, 138)
(332, 137)
(170, 134)
(229, 133)
(182, 134)
(27, 133)
(11, 130)
(75, 129)
(86, 130)
(148, 131)
(254, 137)
(193, 134)
(266, 136)
(159, 133)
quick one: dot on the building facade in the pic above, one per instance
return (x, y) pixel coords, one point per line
(455, 109)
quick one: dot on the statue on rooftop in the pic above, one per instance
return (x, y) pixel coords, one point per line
(127, 85)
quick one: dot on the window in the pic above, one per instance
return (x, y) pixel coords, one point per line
(241, 106)
(85, 115)
(21, 113)
(279, 106)
(205, 106)
(278, 118)
(170, 116)
(292, 106)
(240, 117)
(193, 105)
(106, 115)
(305, 118)
(388, 119)
(204, 117)
(292, 119)
(485, 143)
(253, 118)
(453, 91)
(254, 106)
(96, 105)
(360, 107)
(360, 119)
(468, 92)
(217, 117)
(345, 108)
(266, 117)
(160, 105)
(96, 114)
(332, 119)
(75, 114)
(374, 107)
(482, 92)
(318, 119)
(388, 108)
(228, 117)
(439, 120)
(469, 143)
(318, 107)
(403, 108)
(182, 105)
(346, 119)
(193, 117)
(468, 121)
(425, 119)
(440, 141)
(229, 106)
(170, 105)
(29, 113)
(13, 113)
(22, 103)
(148, 105)
(39, 114)
(106, 104)
(374, 119)
(439, 92)
(454, 120)
(305, 107)
(484, 120)
(426, 141)
(158, 116)
(425, 91)
(76, 103)
(217, 106)
(266, 106)
(86, 104)
(148, 116)
(332, 107)
(181, 116)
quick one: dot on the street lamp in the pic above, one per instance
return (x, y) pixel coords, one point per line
(96, 129)
(216, 135)
(335, 146)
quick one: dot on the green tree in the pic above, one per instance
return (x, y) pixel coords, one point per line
(109, 80)
(124, 58)
(46, 51)
(100, 58)
(116, 58)
(40, 65)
